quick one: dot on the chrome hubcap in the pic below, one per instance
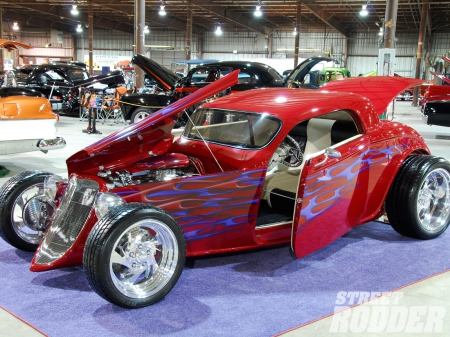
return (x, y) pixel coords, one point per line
(144, 259)
(31, 214)
(140, 116)
(433, 203)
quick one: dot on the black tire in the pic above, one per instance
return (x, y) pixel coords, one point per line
(418, 202)
(22, 195)
(139, 114)
(119, 243)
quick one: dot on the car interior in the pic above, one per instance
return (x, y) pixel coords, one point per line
(313, 137)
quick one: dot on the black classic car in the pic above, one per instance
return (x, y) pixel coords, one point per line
(170, 87)
(61, 83)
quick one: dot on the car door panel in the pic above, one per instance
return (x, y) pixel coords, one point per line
(333, 194)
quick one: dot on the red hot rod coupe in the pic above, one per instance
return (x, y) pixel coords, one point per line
(251, 169)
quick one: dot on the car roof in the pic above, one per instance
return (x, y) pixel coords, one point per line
(235, 65)
(295, 105)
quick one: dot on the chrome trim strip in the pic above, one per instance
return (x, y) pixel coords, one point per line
(275, 224)
(51, 144)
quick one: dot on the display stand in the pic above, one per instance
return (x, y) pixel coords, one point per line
(92, 128)
(90, 102)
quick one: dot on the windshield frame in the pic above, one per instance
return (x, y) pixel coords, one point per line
(189, 129)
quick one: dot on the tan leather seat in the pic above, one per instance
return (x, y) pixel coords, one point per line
(318, 139)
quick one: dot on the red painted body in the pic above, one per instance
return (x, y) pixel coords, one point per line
(217, 210)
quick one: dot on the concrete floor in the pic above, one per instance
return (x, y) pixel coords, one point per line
(424, 303)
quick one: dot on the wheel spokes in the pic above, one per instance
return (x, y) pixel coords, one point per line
(433, 200)
(119, 259)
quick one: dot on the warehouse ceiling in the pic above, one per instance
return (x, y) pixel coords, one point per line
(342, 16)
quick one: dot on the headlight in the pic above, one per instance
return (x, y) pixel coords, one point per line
(104, 202)
(51, 185)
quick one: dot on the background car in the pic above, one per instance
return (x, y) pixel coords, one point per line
(252, 75)
(253, 169)
(27, 122)
(61, 83)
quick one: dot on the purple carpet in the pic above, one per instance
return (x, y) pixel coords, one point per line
(258, 293)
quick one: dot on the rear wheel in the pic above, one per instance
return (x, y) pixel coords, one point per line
(418, 203)
(139, 114)
(134, 255)
(24, 212)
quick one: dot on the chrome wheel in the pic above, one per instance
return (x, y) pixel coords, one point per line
(31, 214)
(144, 258)
(433, 202)
(139, 114)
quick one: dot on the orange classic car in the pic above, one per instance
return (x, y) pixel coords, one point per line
(27, 121)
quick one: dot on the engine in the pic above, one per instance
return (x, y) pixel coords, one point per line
(125, 178)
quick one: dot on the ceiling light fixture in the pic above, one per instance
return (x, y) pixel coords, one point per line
(381, 31)
(146, 30)
(218, 30)
(162, 11)
(79, 28)
(15, 26)
(295, 31)
(364, 11)
(257, 11)
(74, 10)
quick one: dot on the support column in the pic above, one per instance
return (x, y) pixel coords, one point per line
(1, 37)
(140, 39)
(200, 46)
(188, 30)
(422, 29)
(390, 22)
(346, 53)
(297, 36)
(91, 37)
(270, 46)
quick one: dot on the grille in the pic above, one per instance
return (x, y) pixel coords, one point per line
(69, 219)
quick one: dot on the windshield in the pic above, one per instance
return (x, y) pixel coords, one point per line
(233, 128)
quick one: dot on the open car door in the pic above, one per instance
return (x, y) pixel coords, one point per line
(331, 196)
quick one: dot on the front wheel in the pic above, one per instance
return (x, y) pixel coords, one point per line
(418, 203)
(134, 255)
(24, 211)
(139, 114)
(406, 96)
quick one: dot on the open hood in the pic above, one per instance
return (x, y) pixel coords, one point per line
(149, 137)
(165, 78)
(373, 88)
(111, 79)
(442, 77)
(299, 73)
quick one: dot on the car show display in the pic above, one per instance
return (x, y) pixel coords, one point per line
(61, 83)
(252, 169)
(170, 87)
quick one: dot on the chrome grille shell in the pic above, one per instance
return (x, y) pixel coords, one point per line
(69, 219)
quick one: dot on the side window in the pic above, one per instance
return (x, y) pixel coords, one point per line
(246, 78)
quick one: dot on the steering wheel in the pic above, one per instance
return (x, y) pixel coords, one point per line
(288, 153)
